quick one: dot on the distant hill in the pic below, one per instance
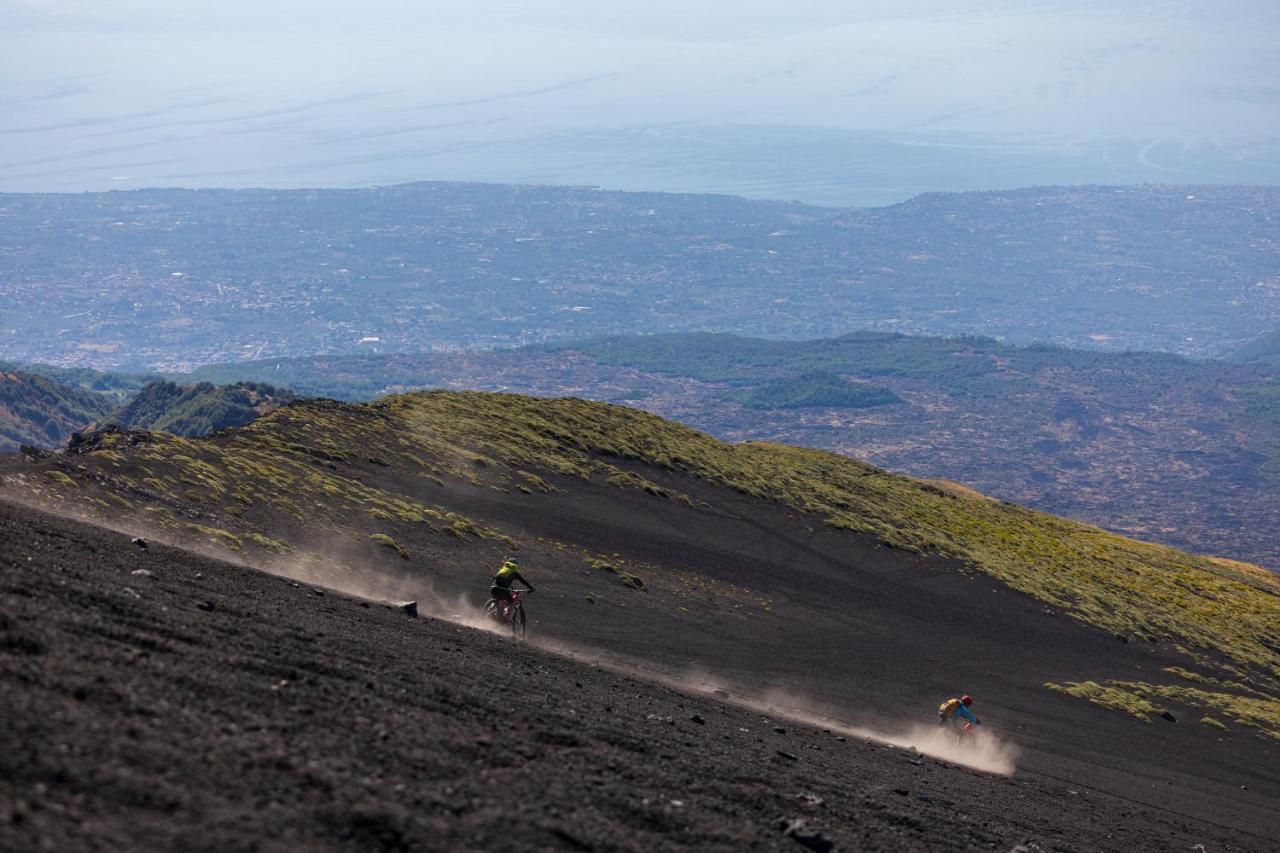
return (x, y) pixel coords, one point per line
(340, 377)
(38, 411)
(115, 386)
(966, 366)
(192, 410)
(1265, 350)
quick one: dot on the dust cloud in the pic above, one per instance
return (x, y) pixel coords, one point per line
(982, 750)
(337, 565)
(340, 570)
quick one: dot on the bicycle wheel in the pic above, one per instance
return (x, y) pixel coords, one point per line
(517, 621)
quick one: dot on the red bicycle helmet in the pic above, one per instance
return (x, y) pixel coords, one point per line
(967, 700)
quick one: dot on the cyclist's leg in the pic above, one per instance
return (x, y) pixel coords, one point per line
(502, 598)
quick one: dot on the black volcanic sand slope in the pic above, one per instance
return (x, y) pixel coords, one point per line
(162, 700)
(800, 577)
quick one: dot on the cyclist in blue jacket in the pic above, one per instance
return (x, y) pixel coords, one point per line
(958, 709)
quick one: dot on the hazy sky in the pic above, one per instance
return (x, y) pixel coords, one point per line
(232, 93)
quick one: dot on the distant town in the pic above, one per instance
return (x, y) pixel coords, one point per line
(171, 280)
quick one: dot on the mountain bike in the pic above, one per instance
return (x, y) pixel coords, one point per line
(512, 614)
(964, 734)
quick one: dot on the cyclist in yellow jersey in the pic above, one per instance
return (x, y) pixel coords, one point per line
(500, 591)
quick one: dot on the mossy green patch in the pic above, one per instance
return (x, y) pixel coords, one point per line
(217, 536)
(630, 580)
(1142, 699)
(387, 542)
(1109, 696)
(61, 478)
(267, 543)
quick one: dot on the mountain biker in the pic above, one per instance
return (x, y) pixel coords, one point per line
(958, 709)
(500, 591)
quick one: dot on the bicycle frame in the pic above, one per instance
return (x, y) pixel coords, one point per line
(510, 612)
(506, 609)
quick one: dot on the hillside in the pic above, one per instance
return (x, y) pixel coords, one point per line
(40, 412)
(194, 410)
(1182, 269)
(411, 472)
(320, 722)
(771, 571)
(1163, 448)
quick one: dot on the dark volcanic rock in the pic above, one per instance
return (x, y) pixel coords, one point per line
(799, 831)
(87, 442)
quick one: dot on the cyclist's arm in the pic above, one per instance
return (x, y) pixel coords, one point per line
(516, 576)
(968, 714)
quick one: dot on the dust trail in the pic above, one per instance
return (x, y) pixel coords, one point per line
(340, 570)
(984, 750)
(333, 562)
(337, 565)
